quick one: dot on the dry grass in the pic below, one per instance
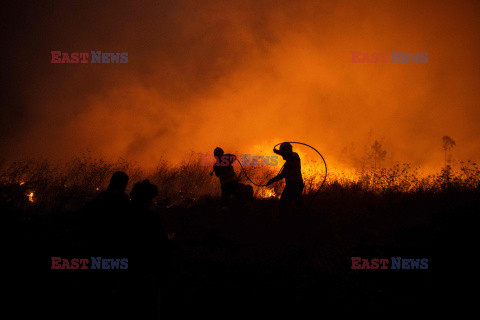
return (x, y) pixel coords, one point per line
(40, 184)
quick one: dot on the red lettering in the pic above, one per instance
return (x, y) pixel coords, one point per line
(356, 57)
(55, 56)
(75, 57)
(65, 57)
(84, 56)
(384, 263)
(55, 261)
(356, 263)
(84, 263)
(74, 264)
(66, 264)
(365, 264)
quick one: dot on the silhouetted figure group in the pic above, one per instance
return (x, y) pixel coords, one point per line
(291, 172)
(119, 226)
(123, 227)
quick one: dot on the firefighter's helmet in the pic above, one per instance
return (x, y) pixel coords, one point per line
(286, 147)
(218, 152)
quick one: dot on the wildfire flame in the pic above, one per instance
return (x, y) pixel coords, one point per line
(30, 196)
(267, 193)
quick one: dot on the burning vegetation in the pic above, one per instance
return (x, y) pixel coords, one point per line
(48, 186)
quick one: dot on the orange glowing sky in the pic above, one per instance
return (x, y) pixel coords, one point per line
(242, 75)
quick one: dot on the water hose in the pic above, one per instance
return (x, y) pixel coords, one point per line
(324, 162)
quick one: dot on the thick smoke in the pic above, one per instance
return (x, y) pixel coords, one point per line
(243, 75)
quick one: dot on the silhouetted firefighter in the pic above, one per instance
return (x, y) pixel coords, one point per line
(224, 171)
(292, 193)
(228, 179)
(106, 217)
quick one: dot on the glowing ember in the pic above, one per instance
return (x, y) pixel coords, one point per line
(266, 193)
(30, 196)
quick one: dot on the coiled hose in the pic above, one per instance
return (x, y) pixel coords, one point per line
(292, 142)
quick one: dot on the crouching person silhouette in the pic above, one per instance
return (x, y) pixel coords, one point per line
(291, 172)
(228, 179)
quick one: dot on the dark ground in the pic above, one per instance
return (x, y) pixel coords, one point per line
(250, 262)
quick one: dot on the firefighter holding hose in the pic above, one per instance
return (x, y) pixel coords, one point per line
(223, 169)
(292, 193)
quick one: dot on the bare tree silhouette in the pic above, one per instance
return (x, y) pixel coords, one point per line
(377, 154)
(448, 143)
